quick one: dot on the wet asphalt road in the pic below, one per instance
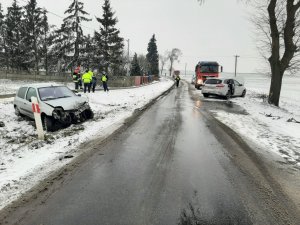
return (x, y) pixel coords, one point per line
(168, 167)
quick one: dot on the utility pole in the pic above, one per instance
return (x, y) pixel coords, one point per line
(128, 59)
(236, 56)
(128, 40)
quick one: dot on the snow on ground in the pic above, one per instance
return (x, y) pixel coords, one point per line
(267, 126)
(24, 160)
(273, 129)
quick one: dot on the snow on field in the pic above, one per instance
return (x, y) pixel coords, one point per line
(274, 129)
(24, 160)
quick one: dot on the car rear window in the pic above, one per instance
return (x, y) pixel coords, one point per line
(21, 92)
(213, 81)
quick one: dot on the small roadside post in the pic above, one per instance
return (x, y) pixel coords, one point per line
(37, 117)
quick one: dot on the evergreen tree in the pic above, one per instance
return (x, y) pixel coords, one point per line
(152, 57)
(88, 59)
(14, 37)
(135, 69)
(60, 52)
(109, 43)
(46, 40)
(72, 25)
(2, 38)
(33, 20)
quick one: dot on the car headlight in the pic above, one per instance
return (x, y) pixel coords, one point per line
(58, 113)
(199, 81)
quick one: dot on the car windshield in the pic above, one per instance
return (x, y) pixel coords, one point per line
(213, 81)
(50, 93)
(209, 69)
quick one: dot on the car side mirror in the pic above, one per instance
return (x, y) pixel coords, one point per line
(241, 85)
(29, 100)
(79, 95)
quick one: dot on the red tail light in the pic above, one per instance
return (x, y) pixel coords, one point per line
(220, 85)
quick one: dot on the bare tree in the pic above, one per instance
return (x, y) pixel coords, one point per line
(279, 23)
(173, 56)
(163, 60)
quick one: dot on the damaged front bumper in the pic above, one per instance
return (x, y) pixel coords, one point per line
(72, 116)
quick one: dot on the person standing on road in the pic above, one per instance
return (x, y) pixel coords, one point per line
(87, 79)
(177, 79)
(94, 82)
(104, 82)
(230, 88)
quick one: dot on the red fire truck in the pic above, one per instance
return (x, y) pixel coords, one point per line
(204, 70)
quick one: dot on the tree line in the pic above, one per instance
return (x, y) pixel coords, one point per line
(28, 42)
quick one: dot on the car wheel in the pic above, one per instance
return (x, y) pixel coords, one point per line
(205, 95)
(48, 123)
(17, 111)
(88, 114)
(243, 94)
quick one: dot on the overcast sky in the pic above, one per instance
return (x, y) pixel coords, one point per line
(217, 30)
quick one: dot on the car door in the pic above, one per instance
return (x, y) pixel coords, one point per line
(238, 88)
(28, 106)
(20, 101)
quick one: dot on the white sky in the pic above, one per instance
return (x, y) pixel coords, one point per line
(217, 30)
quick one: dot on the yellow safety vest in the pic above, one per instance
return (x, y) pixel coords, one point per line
(86, 78)
(104, 79)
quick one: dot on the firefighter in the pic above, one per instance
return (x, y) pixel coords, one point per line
(104, 81)
(76, 80)
(87, 79)
(77, 71)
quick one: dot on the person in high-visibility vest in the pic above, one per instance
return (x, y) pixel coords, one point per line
(87, 79)
(104, 82)
(177, 79)
(76, 80)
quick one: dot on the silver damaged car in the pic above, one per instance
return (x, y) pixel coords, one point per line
(59, 106)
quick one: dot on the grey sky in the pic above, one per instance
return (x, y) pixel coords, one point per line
(217, 30)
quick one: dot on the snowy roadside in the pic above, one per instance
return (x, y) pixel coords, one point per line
(24, 160)
(273, 129)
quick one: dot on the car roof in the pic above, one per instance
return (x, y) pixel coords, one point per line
(41, 85)
(208, 63)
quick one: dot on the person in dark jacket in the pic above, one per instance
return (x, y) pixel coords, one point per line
(94, 82)
(177, 79)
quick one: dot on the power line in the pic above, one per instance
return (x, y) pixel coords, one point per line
(61, 17)
(218, 56)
